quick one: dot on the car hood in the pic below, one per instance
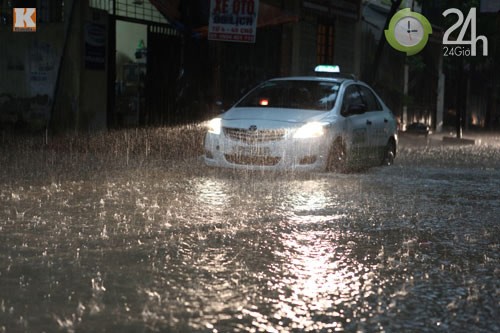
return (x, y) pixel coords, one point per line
(270, 117)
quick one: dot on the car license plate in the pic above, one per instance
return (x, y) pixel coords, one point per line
(253, 151)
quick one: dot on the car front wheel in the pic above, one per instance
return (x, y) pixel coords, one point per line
(389, 153)
(337, 157)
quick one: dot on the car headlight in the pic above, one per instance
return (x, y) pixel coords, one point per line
(214, 126)
(310, 130)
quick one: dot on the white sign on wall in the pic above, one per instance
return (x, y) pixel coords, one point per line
(233, 20)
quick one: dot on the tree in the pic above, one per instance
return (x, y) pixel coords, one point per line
(382, 41)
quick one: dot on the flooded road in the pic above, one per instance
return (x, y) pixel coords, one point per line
(122, 235)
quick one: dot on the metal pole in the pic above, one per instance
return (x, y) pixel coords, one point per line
(404, 120)
(459, 99)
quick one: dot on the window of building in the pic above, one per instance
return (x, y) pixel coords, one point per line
(324, 40)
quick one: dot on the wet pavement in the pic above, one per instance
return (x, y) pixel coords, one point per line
(129, 232)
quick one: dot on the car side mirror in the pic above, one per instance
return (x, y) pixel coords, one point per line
(356, 109)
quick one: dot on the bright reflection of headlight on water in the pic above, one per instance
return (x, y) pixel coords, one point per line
(318, 275)
(211, 192)
(318, 278)
(315, 281)
(311, 202)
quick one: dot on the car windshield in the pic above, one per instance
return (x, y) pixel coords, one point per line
(293, 94)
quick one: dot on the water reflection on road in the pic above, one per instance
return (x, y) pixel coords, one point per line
(182, 249)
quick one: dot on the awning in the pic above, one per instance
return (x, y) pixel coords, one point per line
(169, 8)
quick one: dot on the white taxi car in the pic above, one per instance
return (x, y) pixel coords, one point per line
(327, 123)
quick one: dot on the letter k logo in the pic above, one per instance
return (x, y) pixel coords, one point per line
(24, 19)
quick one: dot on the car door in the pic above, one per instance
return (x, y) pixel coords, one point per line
(356, 123)
(376, 123)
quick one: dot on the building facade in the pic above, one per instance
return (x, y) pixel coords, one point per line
(100, 64)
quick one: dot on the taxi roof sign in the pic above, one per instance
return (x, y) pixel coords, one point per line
(332, 71)
(327, 69)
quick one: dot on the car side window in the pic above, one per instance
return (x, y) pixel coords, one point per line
(371, 102)
(352, 96)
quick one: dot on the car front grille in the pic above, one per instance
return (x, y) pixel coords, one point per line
(249, 136)
(252, 160)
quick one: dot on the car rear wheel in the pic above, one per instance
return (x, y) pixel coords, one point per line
(337, 157)
(389, 153)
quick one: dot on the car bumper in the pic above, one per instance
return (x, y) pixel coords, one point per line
(286, 154)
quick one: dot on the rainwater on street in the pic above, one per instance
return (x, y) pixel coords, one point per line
(128, 231)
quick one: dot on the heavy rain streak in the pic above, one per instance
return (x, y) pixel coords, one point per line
(128, 231)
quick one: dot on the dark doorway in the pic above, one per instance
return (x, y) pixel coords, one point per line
(163, 71)
(130, 65)
(146, 66)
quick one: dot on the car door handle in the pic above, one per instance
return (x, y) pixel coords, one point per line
(368, 122)
(386, 120)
